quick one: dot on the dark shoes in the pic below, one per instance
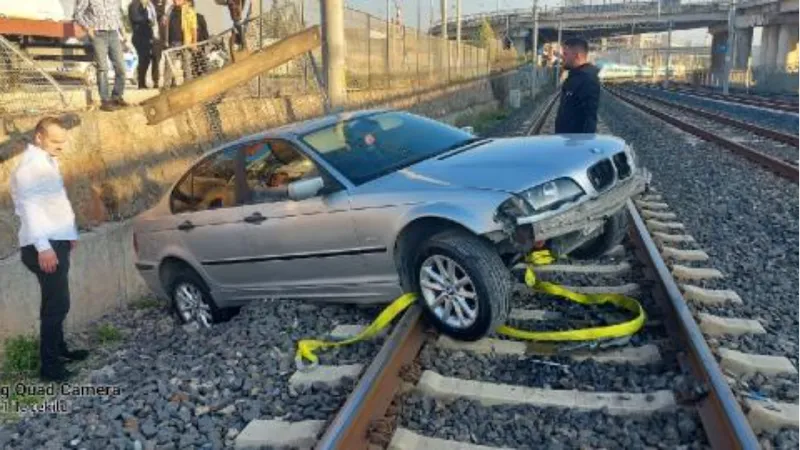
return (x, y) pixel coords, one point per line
(58, 375)
(75, 355)
(114, 104)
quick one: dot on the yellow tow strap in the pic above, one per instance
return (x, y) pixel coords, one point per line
(307, 347)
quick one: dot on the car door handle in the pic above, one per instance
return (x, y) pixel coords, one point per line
(186, 226)
(256, 217)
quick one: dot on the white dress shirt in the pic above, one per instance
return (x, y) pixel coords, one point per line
(40, 200)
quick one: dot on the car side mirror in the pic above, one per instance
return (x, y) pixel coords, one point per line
(303, 189)
(470, 130)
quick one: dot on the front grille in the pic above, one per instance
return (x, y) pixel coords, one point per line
(601, 175)
(623, 165)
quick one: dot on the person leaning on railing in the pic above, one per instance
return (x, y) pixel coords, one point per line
(184, 28)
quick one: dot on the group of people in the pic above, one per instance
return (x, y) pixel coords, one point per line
(156, 25)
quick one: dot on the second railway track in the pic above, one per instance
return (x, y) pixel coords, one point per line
(663, 389)
(744, 140)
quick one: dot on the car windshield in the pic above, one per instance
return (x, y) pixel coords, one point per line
(368, 147)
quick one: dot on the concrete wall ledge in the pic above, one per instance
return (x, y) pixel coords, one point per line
(102, 278)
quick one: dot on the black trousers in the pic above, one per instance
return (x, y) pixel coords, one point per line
(156, 63)
(144, 50)
(54, 306)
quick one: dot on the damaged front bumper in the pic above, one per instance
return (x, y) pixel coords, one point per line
(588, 214)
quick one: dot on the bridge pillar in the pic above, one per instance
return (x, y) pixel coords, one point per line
(769, 45)
(744, 44)
(787, 41)
(719, 43)
(520, 45)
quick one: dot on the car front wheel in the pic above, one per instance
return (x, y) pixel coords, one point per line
(464, 286)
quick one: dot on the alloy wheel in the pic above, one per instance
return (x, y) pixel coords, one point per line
(191, 306)
(449, 291)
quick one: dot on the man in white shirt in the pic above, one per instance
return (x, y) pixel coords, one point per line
(47, 235)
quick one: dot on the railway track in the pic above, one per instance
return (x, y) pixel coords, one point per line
(749, 100)
(666, 386)
(778, 154)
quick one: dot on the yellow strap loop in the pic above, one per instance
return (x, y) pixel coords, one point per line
(307, 347)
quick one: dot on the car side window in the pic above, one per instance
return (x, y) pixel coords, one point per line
(271, 165)
(211, 184)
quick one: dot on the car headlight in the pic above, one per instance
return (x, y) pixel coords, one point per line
(551, 195)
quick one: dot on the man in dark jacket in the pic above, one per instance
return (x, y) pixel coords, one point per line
(144, 20)
(580, 93)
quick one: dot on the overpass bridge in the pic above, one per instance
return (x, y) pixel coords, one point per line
(778, 17)
(595, 21)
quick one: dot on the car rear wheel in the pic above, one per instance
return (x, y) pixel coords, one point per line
(463, 285)
(192, 303)
(614, 231)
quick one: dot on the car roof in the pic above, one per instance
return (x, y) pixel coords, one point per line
(306, 126)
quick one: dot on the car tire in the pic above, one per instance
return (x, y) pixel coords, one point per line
(191, 301)
(614, 232)
(486, 294)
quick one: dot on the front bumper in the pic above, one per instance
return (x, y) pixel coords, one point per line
(588, 214)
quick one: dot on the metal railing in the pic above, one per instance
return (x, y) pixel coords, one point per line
(26, 89)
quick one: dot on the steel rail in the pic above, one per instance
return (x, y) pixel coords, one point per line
(775, 135)
(723, 420)
(536, 126)
(781, 167)
(376, 388)
(732, 98)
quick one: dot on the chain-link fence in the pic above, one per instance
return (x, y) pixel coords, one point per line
(379, 55)
(25, 88)
(383, 55)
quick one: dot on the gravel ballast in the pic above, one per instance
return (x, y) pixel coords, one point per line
(528, 427)
(558, 372)
(183, 388)
(744, 217)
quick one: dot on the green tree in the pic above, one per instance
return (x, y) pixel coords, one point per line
(486, 34)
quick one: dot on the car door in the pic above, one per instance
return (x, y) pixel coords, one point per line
(206, 208)
(304, 248)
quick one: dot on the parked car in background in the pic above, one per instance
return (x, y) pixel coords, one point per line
(363, 206)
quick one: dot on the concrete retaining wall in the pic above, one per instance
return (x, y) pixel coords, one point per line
(118, 166)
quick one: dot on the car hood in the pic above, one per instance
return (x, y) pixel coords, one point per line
(515, 164)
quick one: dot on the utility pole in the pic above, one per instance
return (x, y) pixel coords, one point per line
(388, 44)
(445, 41)
(333, 51)
(458, 36)
(669, 56)
(561, 58)
(535, 43)
(729, 48)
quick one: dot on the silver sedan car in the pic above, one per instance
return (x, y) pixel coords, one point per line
(361, 207)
